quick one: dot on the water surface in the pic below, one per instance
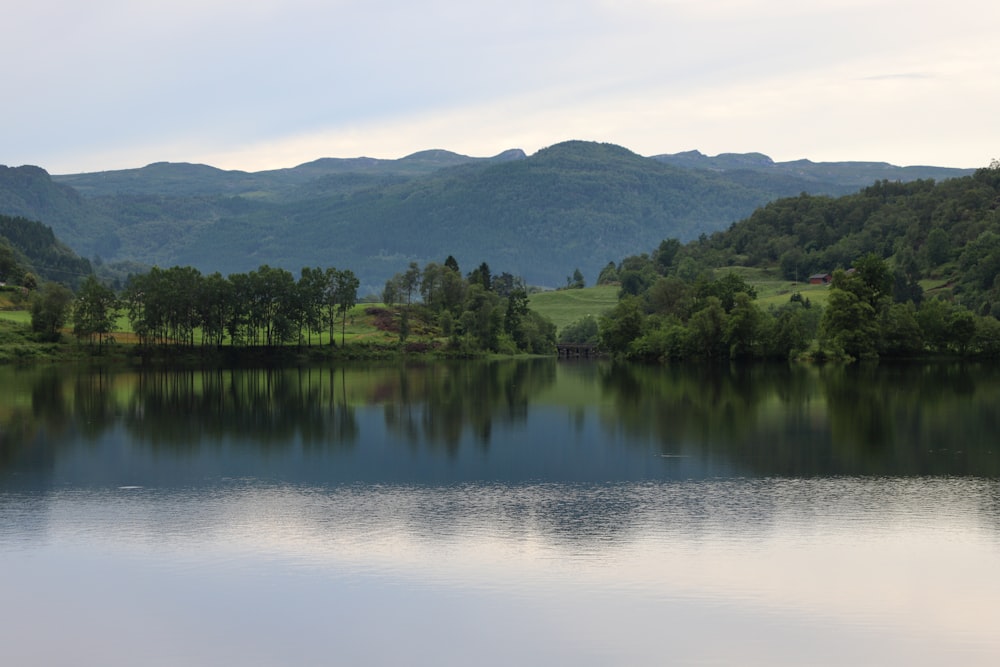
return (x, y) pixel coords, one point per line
(498, 513)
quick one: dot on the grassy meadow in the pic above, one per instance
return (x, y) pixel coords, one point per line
(772, 289)
(567, 306)
(17, 316)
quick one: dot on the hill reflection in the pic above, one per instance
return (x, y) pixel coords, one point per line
(832, 420)
(526, 419)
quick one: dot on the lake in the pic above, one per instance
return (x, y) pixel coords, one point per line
(500, 512)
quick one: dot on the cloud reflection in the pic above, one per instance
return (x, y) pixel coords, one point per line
(853, 554)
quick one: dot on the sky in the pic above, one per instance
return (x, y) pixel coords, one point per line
(265, 84)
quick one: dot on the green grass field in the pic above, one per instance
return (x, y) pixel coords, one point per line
(567, 306)
(773, 290)
(19, 316)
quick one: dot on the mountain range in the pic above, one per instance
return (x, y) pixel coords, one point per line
(572, 205)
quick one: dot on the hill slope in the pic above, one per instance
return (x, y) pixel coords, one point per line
(31, 247)
(948, 232)
(571, 205)
(342, 174)
(852, 175)
(576, 204)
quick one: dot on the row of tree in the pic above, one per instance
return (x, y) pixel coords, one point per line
(180, 306)
(269, 307)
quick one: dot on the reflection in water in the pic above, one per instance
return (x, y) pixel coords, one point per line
(268, 408)
(436, 403)
(832, 420)
(523, 512)
(757, 420)
(770, 571)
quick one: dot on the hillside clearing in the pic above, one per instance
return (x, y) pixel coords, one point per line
(567, 306)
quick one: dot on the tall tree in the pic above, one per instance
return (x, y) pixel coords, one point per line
(876, 279)
(312, 295)
(576, 280)
(50, 307)
(850, 323)
(517, 309)
(95, 311)
(481, 275)
(215, 307)
(346, 285)
(410, 283)
(663, 259)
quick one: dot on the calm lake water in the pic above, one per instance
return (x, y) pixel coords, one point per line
(499, 513)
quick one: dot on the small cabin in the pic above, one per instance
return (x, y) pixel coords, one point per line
(820, 279)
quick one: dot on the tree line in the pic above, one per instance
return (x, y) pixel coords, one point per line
(665, 314)
(267, 307)
(181, 306)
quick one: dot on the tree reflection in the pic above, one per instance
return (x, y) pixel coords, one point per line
(272, 408)
(94, 402)
(775, 420)
(438, 403)
(756, 420)
(34, 415)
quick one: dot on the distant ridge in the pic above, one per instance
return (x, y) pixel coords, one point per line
(854, 174)
(575, 204)
(182, 177)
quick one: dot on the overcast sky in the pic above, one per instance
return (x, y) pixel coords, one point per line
(259, 84)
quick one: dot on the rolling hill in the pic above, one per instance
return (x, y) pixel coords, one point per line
(575, 204)
(29, 247)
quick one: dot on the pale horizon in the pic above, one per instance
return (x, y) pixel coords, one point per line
(272, 84)
(267, 163)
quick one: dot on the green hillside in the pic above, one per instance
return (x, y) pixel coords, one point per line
(849, 175)
(897, 270)
(30, 252)
(323, 176)
(576, 204)
(948, 232)
(564, 307)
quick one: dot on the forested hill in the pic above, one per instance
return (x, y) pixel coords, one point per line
(573, 205)
(303, 181)
(853, 175)
(28, 247)
(949, 231)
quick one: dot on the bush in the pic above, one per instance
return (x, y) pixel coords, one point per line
(582, 331)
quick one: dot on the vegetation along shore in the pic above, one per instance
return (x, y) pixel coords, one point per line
(895, 270)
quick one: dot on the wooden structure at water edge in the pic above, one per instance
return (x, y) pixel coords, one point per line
(577, 351)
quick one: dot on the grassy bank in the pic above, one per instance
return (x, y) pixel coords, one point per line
(371, 332)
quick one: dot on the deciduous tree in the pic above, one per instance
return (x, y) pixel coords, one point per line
(50, 307)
